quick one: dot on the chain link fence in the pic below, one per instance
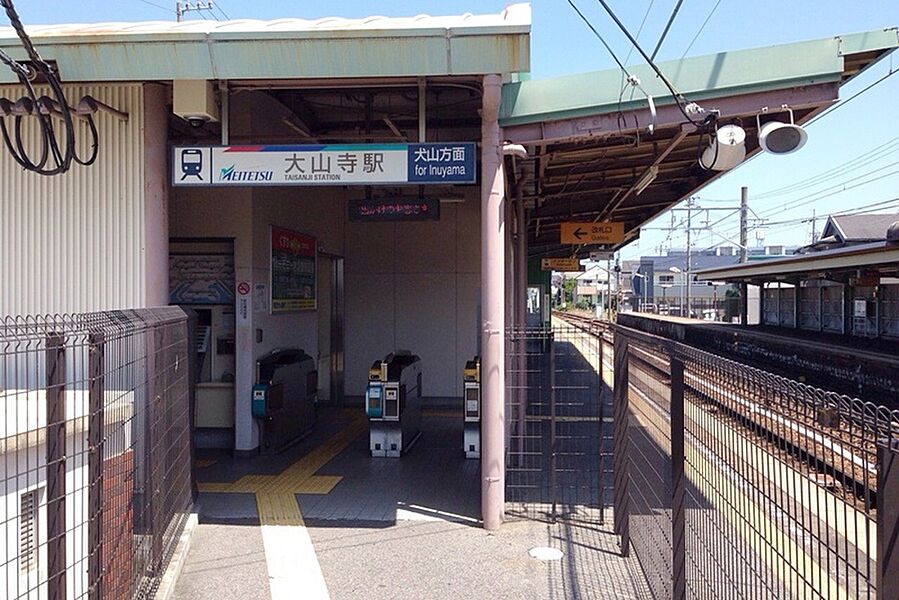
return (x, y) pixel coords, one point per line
(732, 482)
(558, 458)
(95, 452)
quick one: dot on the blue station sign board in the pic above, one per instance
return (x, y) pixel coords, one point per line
(329, 164)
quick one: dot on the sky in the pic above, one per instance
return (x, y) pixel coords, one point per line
(851, 160)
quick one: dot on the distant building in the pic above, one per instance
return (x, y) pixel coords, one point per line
(845, 283)
(656, 280)
(850, 230)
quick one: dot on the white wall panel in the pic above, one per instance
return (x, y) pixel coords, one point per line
(75, 242)
(426, 325)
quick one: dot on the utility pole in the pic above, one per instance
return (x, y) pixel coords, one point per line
(609, 288)
(689, 272)
(814, 226)
(744, 252)
(744, 221)
(184, 7)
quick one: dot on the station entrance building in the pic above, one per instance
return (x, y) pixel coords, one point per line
(357, 188)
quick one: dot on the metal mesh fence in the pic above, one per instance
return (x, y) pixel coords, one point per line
(742, 484)
(95, 455)
(558, 460)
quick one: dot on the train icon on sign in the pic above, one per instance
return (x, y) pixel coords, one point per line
(191, 163)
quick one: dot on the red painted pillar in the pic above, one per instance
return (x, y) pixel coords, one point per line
(493, 241)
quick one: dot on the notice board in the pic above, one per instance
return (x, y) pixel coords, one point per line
(293, 271)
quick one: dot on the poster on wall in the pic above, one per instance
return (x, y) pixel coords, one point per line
(293, 271)
(201, 279)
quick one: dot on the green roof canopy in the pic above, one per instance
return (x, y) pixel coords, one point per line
(698, 78)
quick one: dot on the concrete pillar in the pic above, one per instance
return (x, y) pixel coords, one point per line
(492, 308)
(156, 196)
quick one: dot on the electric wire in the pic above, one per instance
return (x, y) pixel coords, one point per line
(599, 36)
(665, 31)
(44, 108)
(221, 10)
(701, 27)
(867, 157)
(679, 98)
(159, 6)
(853, 96)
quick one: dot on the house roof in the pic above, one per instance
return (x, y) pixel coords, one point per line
(859, 228)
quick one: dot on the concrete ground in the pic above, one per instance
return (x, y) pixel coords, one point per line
(352, 527)
(421, 559)
(444, 560)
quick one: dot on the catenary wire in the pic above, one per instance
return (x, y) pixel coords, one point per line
(159, 6)
(662, 37)
(599, 36)
(701, 27)
(679, 98)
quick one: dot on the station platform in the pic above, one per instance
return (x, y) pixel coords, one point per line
(852, 365)
(334, 478)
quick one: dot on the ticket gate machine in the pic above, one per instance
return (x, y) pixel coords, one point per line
(471, 432)
(284, 398)
(393, 404)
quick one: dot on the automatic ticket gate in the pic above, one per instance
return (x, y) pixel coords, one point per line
(284, 397)
(471, 432)
(393, 404)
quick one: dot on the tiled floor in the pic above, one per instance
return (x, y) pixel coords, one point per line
(432, 478)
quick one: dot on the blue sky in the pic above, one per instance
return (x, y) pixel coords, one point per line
(561, 43)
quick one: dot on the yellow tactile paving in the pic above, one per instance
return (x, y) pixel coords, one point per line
(275, 500)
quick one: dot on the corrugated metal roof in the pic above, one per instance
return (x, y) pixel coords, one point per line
(284, 48)
(848, 257)
(516, 18)
(698, 78)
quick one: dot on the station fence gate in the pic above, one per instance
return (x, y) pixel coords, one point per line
(731, 482)
(559, 429)
(95, 452)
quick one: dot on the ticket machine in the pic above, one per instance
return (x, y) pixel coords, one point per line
(471, 432)
(393, 404)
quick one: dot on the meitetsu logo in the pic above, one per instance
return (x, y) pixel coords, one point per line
(229, 174)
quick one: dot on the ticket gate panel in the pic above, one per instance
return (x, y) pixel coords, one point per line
(471, 430)
(393, 404)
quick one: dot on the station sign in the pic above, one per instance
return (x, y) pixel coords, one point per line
(329, 164)
(561, 264)
(602, 232)
(600, 255)
(394, 209)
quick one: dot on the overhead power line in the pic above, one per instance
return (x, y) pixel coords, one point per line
(667, 28)
(221, 10)
(599, 36)
(701, 27)
(159, 6)
(853, 96)
(679, 98)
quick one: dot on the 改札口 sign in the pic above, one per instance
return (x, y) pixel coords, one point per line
(334, 164)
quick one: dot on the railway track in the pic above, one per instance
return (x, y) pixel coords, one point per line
(838, 456)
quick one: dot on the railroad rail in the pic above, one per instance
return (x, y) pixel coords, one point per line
(842, 455)
(792, 481)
